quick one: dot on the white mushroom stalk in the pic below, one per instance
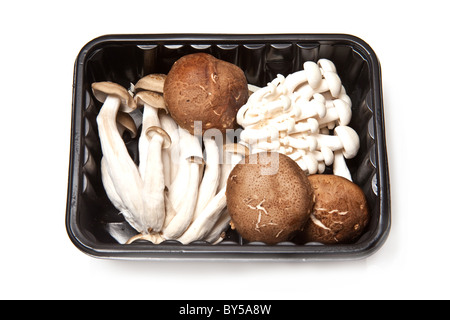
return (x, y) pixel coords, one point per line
(171, 155)
(218, 231)
(149, 96)
(153, 191)
(201, 226)
(206, 221)
(298, 116)
(110, 190)
(125, 123)
(119, 169)
(211, 176)
(151, 162)
(184, 191)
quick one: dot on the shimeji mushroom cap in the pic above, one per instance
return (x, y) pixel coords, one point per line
(127, 123)
(157, 130)
(150, 98)
(103, 89)
(349, 139)
(151, 82)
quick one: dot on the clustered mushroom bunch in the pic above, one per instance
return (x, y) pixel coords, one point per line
(177, 191)
(305, 116)
(188, 187)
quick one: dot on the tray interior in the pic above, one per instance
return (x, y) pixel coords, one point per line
(126, 62)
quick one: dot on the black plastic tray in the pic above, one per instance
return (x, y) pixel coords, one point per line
(91, 220)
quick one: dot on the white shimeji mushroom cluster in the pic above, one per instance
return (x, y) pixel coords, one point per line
(304, 115)
(176, 192)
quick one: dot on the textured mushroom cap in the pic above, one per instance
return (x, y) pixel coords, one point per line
(126, 122)
(151, 82)
(340, 212)
(153, 99)
(200, 87)
(268, 207)
(349, 139)
(103, 89)
(167, 141)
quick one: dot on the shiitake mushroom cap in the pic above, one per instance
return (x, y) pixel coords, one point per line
(269, 197)
(200, 87)
(340, 213)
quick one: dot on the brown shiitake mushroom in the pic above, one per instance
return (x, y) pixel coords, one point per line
(200, 87)
(340, 212)
(268, 197)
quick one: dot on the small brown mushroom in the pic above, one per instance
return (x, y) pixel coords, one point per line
(200, 87)
(151, 102)
(125, 123)
(268, 197)
(340, 213)
(152, 82)
(151, 142)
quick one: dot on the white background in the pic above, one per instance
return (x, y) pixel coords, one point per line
(39, 44)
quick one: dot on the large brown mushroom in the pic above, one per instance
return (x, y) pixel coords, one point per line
(340, 213)
(200, 87)
(268, 197)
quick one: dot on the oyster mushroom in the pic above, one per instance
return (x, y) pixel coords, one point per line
(118, 164)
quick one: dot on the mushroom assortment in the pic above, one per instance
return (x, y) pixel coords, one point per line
(188, 187)
(177, 191)
(305, 116)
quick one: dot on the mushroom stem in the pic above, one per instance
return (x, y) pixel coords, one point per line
(184, 191)
(151, 164)
(153, 191)
(173, 152)
(340, 166)
(206, 220)
(109, 187)
(211, 176)
(216, 234)
(340, 113)
(149, 119)
(120, 167)
(155, 238)
(345, 139)
(125, 123)
(151, 102)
